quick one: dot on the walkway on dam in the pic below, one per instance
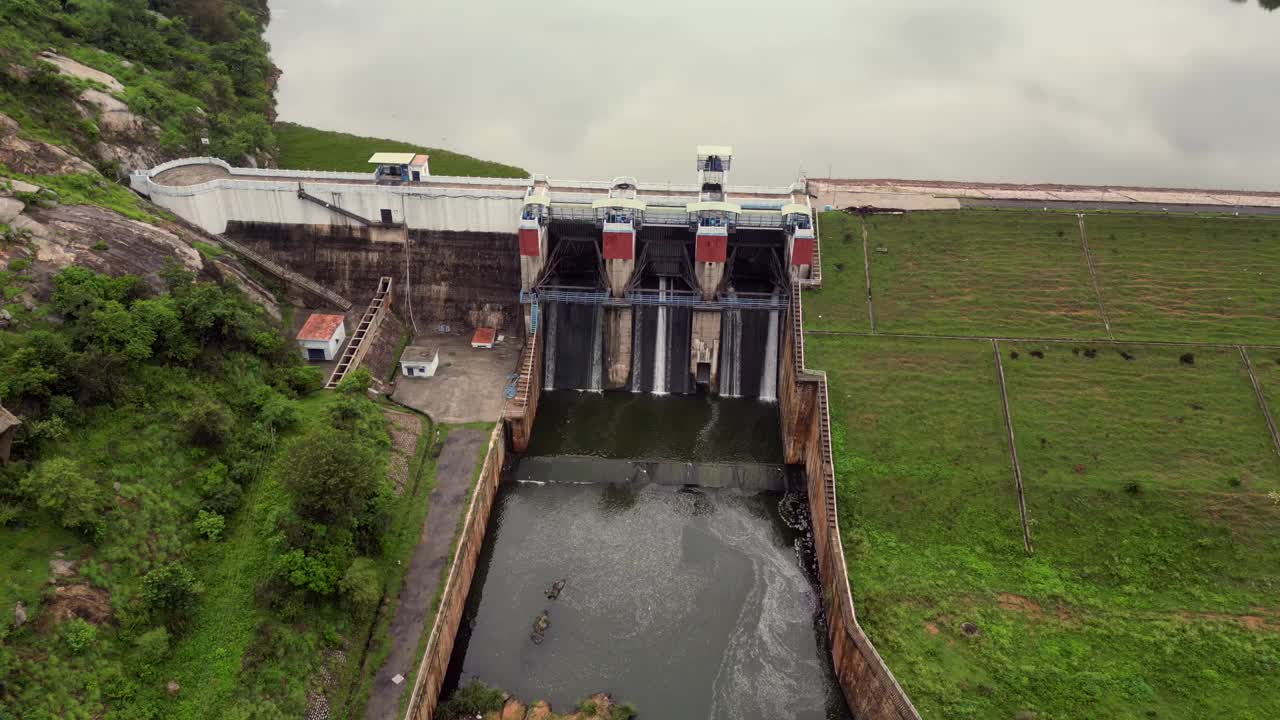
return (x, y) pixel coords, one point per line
(455, 469)
(946, 195)
(198, 173)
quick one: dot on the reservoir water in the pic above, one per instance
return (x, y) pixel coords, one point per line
(690, 602)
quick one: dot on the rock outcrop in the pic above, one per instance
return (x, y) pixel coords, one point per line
(32, 157)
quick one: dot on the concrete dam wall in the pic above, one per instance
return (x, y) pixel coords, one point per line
(465, 279)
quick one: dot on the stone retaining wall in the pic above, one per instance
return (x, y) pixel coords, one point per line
(444, 631)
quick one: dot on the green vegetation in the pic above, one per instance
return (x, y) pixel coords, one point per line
(978, 272)
(81, 189)
(841, 302)
(196, 68)
(163, 460)
(1024, 274)
(474, 698)
(1180, 278)
(307, 148)
(1152, 487)
(1152, 591)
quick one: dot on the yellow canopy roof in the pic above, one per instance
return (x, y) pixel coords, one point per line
(796, 209)
(392, 158)
(721, 150)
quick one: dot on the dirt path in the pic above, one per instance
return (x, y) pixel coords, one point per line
(454, 469)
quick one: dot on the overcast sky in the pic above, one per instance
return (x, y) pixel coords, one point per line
(1157, 92)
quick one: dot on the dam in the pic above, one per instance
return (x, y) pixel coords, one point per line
(648, 287)
(663, 449)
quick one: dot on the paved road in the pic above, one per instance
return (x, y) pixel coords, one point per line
(454, 468)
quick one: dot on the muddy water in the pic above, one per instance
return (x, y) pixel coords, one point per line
(689, 602)
(686, 428)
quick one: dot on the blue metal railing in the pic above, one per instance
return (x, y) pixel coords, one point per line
(666, 298)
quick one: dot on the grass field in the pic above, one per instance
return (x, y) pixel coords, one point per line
(1024, 274)
(974, 273)
(1183, 278)
(305, 148)
(1151, 601)
(840, 304)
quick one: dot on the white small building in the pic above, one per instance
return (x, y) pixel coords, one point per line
(419, 361)
(322, 336)
(398, 167)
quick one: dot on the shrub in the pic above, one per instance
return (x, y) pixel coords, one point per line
(299, 379)
(169, 592)
(587, 707)
(79, 635)
(152, 646)
(218, 492)
(208, 423)
(210, 524)
(319, 570)
(331, 478)
(59, 486)
(278, 413)
(474, 698)
(356, 383)
(625, 711)
(362, 583)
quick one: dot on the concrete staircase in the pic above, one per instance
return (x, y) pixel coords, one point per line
(357, 346)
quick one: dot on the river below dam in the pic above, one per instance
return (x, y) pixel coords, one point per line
(687, 601)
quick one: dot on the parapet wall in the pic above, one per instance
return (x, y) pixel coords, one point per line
(444, 631)
(869, 687)
(271, 196)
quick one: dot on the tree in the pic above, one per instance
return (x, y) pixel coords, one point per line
(209, 424)
(170, 592)
(113, 329)
(43, 366)
(59, 486)
(332, 477)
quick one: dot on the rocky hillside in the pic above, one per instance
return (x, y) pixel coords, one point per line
(91, 89)
(126, 83)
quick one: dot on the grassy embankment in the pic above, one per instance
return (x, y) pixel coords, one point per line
(306, 148)
(1024, 274)
(1153, 490)
(1152, 590)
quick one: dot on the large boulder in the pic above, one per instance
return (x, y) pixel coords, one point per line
(32, 157)
(75, 69)
(10, 209)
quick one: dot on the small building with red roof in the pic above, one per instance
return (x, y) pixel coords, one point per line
(322, 336)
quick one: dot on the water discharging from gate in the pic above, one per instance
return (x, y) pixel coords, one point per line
(688, 601)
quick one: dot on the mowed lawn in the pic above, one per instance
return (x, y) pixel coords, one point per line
(980, 273)
(841, 302)
(1187, 278)
(1153, 590)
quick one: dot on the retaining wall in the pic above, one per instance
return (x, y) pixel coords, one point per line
(444, 631)
(869, 687)
(465, 279)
